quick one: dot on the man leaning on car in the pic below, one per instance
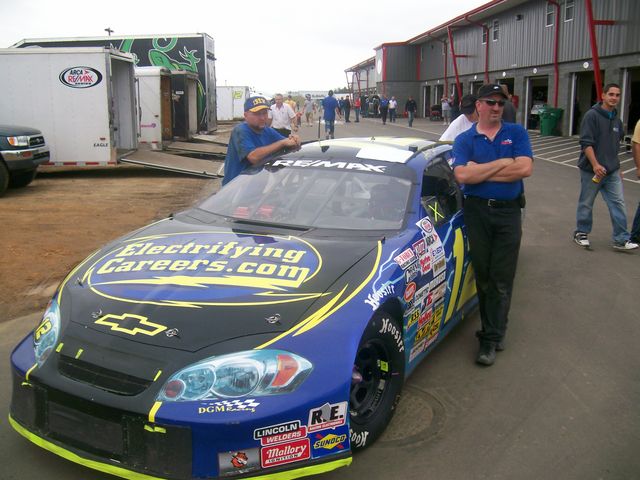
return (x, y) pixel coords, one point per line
(490, 160)
(253, 140)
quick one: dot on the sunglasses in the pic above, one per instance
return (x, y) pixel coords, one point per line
(492, 103)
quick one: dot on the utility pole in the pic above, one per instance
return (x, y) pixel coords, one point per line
(108, 30)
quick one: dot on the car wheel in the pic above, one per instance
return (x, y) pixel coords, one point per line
(4, 178)
(22, 179)
(377, 378)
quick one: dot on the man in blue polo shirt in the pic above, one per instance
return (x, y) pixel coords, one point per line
(331, 108)
(490, 160)
(252, 140)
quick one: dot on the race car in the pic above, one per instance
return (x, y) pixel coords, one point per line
(266, 332)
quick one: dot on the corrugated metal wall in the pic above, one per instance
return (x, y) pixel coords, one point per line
(528, 42)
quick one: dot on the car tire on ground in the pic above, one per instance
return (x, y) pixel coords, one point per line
(378, 376)
(22, 179)
(4, 178)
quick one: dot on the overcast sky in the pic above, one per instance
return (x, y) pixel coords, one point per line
(270, 46)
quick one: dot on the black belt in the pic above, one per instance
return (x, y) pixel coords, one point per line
(493, 203)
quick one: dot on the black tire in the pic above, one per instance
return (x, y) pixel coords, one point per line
(22, 179)
(378, 376)
(4, 178)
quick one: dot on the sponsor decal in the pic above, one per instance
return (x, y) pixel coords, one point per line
(389, 326)
(426, 226)
(438, 280)
(358, 440)
(405, 258)
(437, 252)
(412, 271)
(439, 291)
(421, 295)
(374, 298)
(409, 291)
(327, 416)
(216, 268)
(413, 317)
(416, 350)
(420, 247)
(439, 266)
(237, 462)
(284, 453)
(425, 317)
(422, 333)
(283, 432)
(425, 263)
(506, 141)
(130, 324)
(80, 77)
(100, 144)
(329, 442)
(363, 167)
(226, 406)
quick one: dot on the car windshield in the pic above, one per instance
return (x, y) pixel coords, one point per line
(314, 198)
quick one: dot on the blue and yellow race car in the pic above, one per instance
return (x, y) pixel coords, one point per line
(265, 333)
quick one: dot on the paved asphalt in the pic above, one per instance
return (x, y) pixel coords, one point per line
(561, 402)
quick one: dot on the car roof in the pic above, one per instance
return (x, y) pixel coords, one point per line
(384, 149)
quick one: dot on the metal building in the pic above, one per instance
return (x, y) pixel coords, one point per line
(548, 52)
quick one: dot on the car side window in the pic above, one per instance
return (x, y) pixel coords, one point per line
(440, 197)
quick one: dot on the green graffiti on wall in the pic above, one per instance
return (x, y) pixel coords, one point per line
(159, 56)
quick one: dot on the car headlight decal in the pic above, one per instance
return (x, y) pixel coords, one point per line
(254, 372)
(45, 336)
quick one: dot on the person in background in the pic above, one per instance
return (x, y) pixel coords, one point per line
(411, 107)
(393, 105)
(357, 104)
(331, 108)
(446, 110)
(635, 147)
(509, 113)
(600, 134)
(347, 109)
(282, 117)
(253, 140)
(464, 121)
(309, 108)
(384, 108)
(491, 159)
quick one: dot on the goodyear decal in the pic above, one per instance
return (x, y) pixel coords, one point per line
(213, 268)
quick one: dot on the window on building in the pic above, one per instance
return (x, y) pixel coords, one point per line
(551, 13)
(422, 53)
(496, 30)
(485, 34)
(569, 8)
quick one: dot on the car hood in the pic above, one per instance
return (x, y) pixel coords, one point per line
(191, 286)
(14, 130)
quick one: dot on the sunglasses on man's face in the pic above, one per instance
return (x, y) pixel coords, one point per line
(493, 103)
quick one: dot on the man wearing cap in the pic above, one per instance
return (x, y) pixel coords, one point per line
(252, 140)
(462, 122)
(490, 160)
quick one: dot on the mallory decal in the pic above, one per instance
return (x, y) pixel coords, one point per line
(284, 453)
(216, 268)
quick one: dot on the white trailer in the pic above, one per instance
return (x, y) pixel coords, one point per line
(154, 94)
(82, 99)
(230, 102)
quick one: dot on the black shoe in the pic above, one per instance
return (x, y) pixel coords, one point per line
(486, 354)
(500, 346)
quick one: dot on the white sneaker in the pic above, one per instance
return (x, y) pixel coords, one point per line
(625, 246)
(581, 239)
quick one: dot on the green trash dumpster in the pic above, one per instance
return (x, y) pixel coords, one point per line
(549, 121)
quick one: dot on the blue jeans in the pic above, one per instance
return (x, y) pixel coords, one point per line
(610, 187)
(411, 119)
(357, 110)
(329, 127)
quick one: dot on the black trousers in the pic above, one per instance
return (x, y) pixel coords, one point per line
(285, 132)
(494, 234)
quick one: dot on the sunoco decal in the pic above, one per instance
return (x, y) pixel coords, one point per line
(80, 77)
(216, 268)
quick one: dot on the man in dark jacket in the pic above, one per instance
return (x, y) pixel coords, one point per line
(600, 135)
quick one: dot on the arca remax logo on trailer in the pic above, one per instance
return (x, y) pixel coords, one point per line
(80, 77)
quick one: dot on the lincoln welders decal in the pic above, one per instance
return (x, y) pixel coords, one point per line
(213, 268)
(80, 77)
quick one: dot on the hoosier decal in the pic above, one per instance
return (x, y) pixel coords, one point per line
(206, 269)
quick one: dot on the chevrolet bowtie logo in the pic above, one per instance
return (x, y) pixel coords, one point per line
(131, 324)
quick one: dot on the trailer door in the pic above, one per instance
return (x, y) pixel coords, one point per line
(123, 103)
